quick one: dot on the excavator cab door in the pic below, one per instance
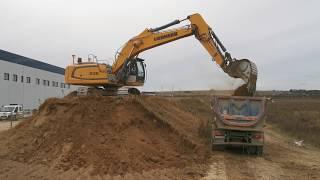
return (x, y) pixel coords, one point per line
(136, 71)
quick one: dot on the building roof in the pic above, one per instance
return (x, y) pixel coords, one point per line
(17, 59)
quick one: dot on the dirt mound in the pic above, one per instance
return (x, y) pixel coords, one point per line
(110, 135)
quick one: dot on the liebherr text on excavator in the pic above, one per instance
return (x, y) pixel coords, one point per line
(129, 70)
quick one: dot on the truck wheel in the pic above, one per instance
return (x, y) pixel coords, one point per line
(251, 149)
(259, 150)
(217, 147)
(211, 144)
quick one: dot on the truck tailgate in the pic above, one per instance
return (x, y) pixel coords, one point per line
(239, 112)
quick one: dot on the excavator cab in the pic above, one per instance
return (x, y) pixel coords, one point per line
(136, 72)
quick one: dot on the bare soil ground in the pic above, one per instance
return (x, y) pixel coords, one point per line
(282, 159)
(288, 119)
(5, 125)
(164, 139)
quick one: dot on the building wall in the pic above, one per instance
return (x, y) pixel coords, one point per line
(31, 95)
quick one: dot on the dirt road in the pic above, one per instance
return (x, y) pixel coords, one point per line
(282, 159)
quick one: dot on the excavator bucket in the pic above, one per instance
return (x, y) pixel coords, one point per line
(246, 70)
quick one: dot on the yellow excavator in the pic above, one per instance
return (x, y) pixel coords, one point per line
(129, 70)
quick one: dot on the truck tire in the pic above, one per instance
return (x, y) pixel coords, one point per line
(259, 150)
(217, 147)
(251, 149)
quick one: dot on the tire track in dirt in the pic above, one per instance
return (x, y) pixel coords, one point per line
(217, 168)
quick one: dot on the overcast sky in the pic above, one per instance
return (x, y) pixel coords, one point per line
(281, 37)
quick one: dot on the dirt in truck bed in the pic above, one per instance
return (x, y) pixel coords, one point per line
(109, 136)
(241, 91)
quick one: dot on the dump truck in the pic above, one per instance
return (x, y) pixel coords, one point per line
(238, 121)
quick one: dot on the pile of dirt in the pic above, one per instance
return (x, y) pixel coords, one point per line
(110, 135)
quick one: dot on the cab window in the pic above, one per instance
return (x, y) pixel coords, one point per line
(140, 69)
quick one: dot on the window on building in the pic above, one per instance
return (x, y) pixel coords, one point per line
(38, 81)
(15, 78)
(46, 82)
(22, 79)
(57, 84)
(53, 84)
(62, 85)
(68, 86)
(28, 80)
(6, 76)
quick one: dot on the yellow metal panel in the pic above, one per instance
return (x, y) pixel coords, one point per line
(87, 74)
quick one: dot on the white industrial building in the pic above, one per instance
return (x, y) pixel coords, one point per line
(29, 82)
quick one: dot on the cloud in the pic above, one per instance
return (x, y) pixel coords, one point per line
(281, 37)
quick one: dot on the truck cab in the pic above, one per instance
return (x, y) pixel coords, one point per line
(13, 111)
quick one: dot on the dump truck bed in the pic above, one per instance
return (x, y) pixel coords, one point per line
(238, 121)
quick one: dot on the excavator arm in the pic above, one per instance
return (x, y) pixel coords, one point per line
(151, 38)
